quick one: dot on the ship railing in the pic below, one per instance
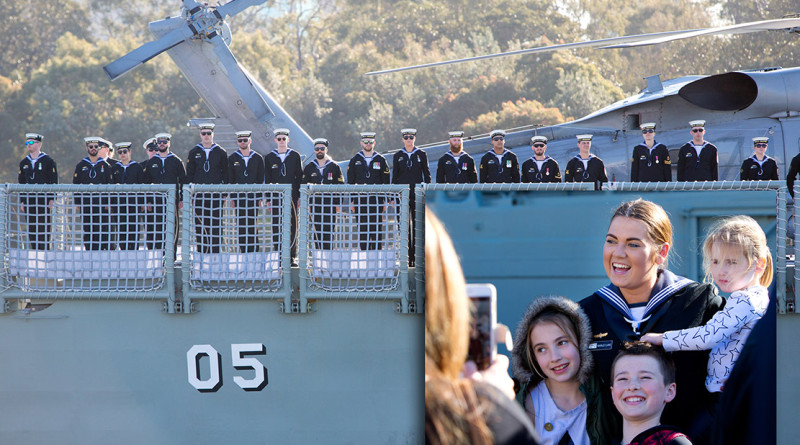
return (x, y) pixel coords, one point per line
(354, 242)
(64, 241)
(236, 242)
(785, 224)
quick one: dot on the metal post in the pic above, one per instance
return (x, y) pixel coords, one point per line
(780, 250)
(302, 248)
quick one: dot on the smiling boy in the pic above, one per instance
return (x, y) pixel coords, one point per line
(643, 382)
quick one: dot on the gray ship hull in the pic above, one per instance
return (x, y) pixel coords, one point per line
(84, 372)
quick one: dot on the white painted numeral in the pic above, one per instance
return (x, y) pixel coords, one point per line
(193, 356)
(241, 361)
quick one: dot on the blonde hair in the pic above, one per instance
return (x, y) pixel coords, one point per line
(743, 234)
(659, 227)
(453, 412)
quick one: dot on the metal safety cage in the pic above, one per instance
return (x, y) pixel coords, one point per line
(236, 242)
(354, 243)
(87, 241)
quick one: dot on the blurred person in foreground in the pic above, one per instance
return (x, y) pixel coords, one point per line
(461, 406)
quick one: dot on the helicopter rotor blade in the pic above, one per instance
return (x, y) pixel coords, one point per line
(540, 49)
(765, 25)
(236, 6)
(146, 52)
(621, 42)
(240, 81)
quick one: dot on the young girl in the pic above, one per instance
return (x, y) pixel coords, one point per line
(552, 363)
(736, 257)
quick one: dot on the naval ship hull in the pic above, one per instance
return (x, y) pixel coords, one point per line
(81, 372)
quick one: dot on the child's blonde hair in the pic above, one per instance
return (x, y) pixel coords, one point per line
(742, 232)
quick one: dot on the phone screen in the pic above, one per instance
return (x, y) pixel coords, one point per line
(482, 346)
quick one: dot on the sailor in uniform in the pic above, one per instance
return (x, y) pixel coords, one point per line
(540, 167)
(106, 153)
(37, 168)
(586, 167)
(499, 165)
(207, 163)
(759, 167)
(127, 171)
(650, 161)
(284, 166)
(246, 167)
(163, 168)
(150, 147)
(410, 166)
(94, 207)
(322, 170)
(368, 167)
(456, 166)
(698, 159)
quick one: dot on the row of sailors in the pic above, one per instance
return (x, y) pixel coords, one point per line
(650, 161)
(208, 163)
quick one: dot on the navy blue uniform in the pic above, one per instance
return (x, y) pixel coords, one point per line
(246, 170)
(94, 207)
(453, 169)
(594, 171)
(127, 205)
(694, 167)
(549, 172)
(651, 165)
(166, 170)
(755, 170)
(322, 209)
(286, 171)
(41, 170)
(412, 169)
(494, 170)
(374, 170)
(207, 168)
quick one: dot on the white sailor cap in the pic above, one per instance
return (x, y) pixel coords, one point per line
(283, 131)
(497, 133)
(92, 140)
(455, 134)
(697, 123)
(411, 131)
(536, 139)
(368, 135)
(244, 134)
(162, 136)
(322, 141)
(34, 136)
(207, 126)
(648, 126)
(584, 137)
(106, 143)
(124, 145)
(148, 143)
(760, 140)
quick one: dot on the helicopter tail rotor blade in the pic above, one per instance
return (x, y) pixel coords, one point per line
(146, 52)
(236, 6)
(240, 81)
(742, 28)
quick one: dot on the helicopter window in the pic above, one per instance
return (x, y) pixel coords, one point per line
(631, 122)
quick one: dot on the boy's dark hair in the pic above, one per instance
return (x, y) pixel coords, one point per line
(664, 359)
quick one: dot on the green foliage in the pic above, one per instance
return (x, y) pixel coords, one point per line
(521, 113)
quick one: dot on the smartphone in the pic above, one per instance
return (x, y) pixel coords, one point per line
(482, 344)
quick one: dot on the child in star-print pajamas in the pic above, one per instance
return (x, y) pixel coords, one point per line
(736, 257)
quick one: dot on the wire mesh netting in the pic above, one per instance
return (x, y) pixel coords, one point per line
(354, 241)
(86, 240)
(236, 239)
